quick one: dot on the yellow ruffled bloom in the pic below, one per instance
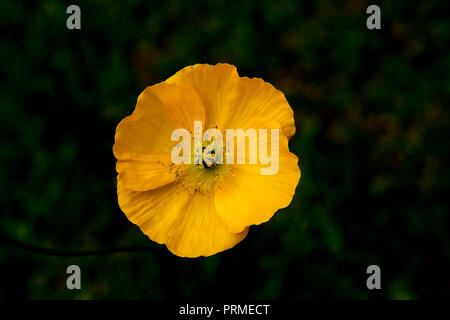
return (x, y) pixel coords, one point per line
(197, 210)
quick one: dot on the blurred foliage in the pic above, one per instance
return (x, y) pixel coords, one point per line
(372, 138)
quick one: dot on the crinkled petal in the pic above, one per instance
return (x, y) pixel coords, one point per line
(143, 140)
(247, 198)
(217, 86)
(257, 100)
(187, 223)
(233, 102)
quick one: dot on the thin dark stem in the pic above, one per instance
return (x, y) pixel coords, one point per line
(69, 253)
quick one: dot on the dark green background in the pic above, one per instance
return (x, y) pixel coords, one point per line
(372, 117)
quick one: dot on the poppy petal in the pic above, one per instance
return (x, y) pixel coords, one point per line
(143, 140)
(186, 223)
(160, 110)
(217, 86)
(248, 198)
(258, 99)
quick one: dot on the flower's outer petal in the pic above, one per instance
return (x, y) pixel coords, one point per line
(256, 100)
(232, 102)
(200, 232)
(153, 172)
(217, 86)
(160, 110)
(143, 140)
(247, 198)
(186, 223)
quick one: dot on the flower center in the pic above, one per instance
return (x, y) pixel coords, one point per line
(211, 163)
(204, 177)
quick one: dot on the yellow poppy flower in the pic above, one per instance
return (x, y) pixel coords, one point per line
(199, 209)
